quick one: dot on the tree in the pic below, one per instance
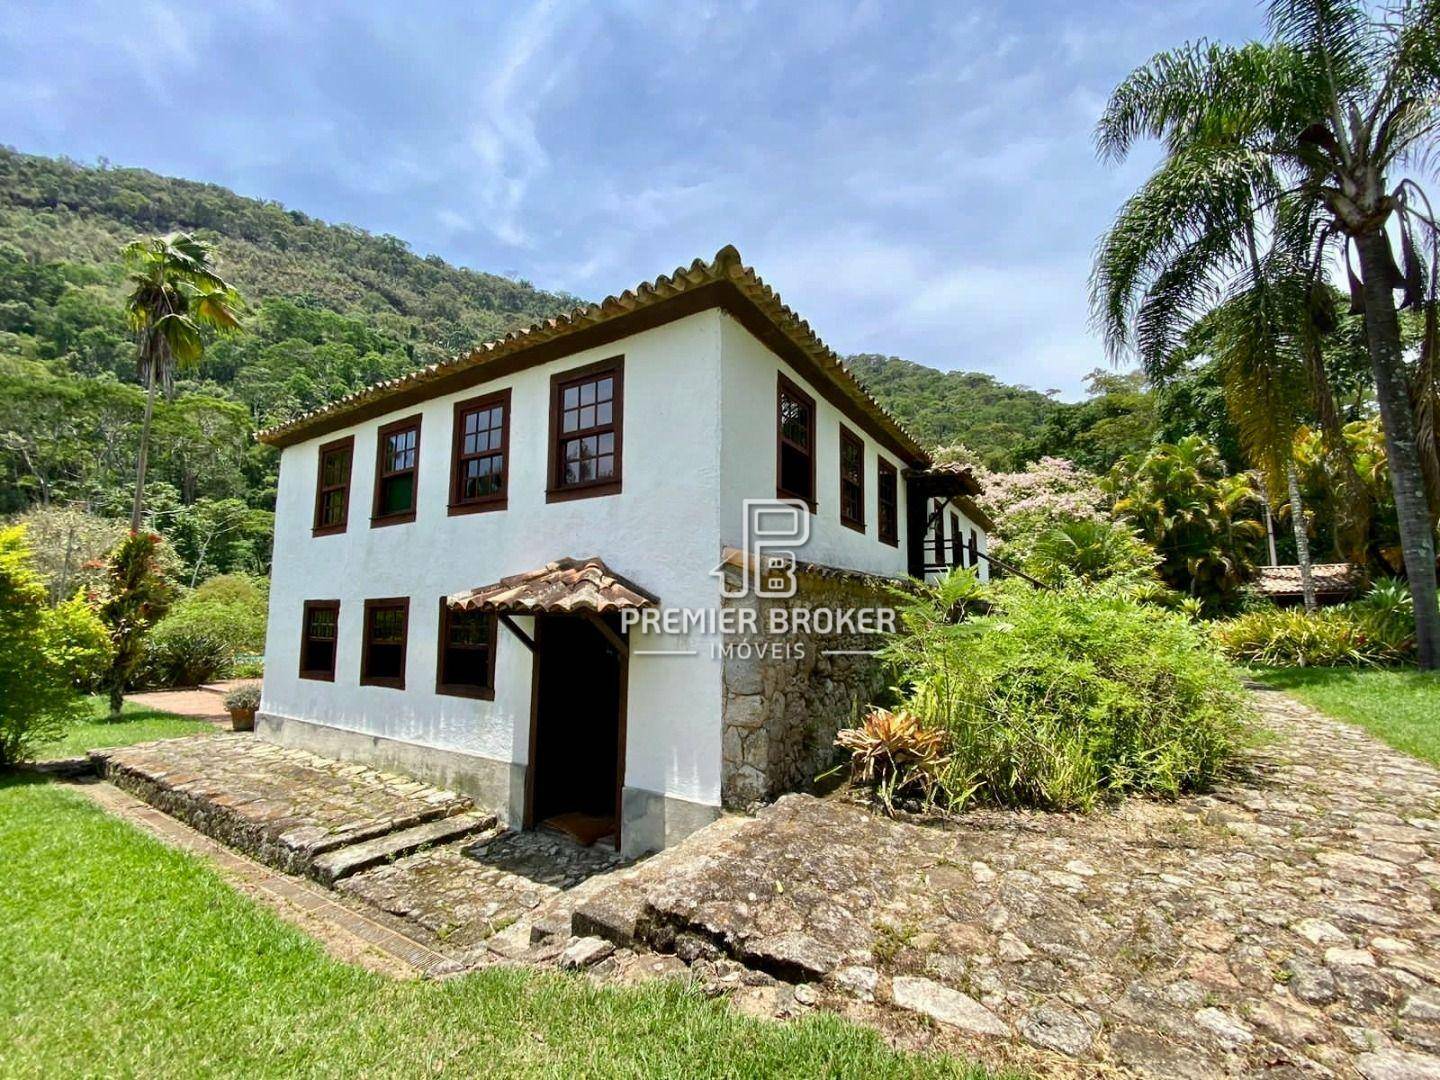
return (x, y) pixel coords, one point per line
(36, 698)
(175, 292)
(132, 598)
(1299, 137)
(1182, 502)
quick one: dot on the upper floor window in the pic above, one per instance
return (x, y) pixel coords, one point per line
(382, 658)
(466, 653)
(397, 472)
(585, 431)
(332, 486)
(319, 630)
(974, 548)
(852, 479)
(795, 450)
(888, 503)
(479, 458)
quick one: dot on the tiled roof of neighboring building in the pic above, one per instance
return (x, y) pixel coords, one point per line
(724, 281)
(565, 586)
(1331, 578)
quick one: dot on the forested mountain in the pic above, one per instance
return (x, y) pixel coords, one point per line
(994, 419)
(329, 308)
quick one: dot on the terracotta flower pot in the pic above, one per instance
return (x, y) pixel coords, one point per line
(242, 719)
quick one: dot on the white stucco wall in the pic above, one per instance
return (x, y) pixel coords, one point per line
(660, 531)
(749, 381)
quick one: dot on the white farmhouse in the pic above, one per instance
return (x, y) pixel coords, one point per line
(461, 555)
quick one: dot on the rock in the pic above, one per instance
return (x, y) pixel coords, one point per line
(1226, 1030)
(1310, 983)
(792, 955)
(860, 981)
(1058, 1027)
(614, 913)
(1398, 1065)
(585, 952)
(1011, 949)
(805, 995)
(1320, 932)
(691, 947)
(946, 1006)
(1337, 957)
(1285, 1026)
(1421, 1007)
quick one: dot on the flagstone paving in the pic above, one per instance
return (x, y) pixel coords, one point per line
(1281, 925)
(283, 806)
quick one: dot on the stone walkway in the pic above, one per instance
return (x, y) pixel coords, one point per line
(463, 893)
(282, 806)
(1283, 925)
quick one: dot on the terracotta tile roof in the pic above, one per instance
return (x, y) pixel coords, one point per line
(564, 586)
(1329, 578)
(725, 276)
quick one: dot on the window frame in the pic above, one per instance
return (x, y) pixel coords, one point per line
(887, 477)
(465, 690)
(784, 387)
(316, 527)
(393, 682)
(496, 500)
(377, 519)
(613, 366)
(318, 674)
(957, 541)
(849, 438)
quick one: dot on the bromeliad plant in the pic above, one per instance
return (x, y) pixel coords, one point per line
(897, 756)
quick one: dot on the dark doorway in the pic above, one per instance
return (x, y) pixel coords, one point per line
(576, 729)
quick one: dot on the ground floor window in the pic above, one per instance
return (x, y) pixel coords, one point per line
(318, 632)
(382, 660)
(465, 653)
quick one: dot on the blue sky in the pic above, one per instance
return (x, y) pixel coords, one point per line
(915, 178)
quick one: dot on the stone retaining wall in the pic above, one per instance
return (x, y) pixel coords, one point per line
(781, 711)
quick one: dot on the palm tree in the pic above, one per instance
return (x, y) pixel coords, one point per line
(175, 292)
(1299, 139)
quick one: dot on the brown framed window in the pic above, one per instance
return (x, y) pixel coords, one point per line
(332, 486)
(397, 472)
(319, 632)
(795, 444)
(974, 548)
(939, 540)
(852, 479)
(957, 542)
(887, 503)
(465, 653)
(382, 657)
(585, 431)
(480, 456)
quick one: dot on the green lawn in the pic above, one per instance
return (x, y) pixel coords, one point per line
(121, 956)
(1398, 706)
(135, 725)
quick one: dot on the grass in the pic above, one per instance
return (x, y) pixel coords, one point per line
(124, 957)
(136, 724)
(1399, 706)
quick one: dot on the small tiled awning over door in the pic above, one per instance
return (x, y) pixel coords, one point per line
(563, 587)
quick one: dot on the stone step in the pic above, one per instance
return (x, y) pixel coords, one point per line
(351, 859)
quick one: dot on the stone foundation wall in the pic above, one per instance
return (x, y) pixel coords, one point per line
(781, 712)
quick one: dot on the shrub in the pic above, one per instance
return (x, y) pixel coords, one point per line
(200, 638)
(1059, 698)
(896, 754)
(80, 643)
(1377, 629)
(37, 701)
(1091, 550)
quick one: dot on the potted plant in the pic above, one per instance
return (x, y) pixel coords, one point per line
(242, 703)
